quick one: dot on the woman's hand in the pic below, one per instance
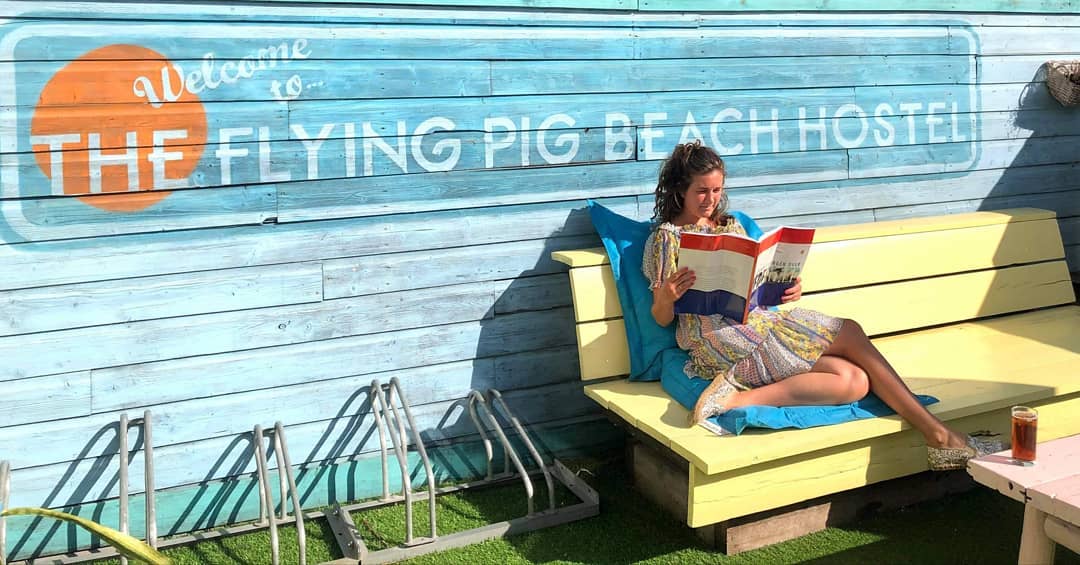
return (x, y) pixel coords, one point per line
(794, 293)
(677, 284)
(665, 295)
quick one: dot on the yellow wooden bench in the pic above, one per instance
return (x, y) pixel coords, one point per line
(976, 309)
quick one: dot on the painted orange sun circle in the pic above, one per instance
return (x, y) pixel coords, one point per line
(95, 125)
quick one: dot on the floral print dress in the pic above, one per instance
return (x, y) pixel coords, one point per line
(770, 347)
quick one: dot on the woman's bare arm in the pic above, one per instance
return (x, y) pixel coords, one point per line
(665, 295)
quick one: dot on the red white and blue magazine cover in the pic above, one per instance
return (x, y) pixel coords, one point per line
(735, 273)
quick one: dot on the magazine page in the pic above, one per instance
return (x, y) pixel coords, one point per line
(723, 265)
(781, 264)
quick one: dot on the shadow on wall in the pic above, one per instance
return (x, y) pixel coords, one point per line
(1045, 171)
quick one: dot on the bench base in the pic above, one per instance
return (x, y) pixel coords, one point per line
(656, 472)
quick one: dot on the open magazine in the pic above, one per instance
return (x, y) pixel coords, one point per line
(735, 273)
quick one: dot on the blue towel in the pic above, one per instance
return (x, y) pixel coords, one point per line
(737, 420)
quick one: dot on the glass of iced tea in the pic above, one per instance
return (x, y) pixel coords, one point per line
(1025, 422)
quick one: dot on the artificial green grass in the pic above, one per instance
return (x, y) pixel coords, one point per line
(978, 527)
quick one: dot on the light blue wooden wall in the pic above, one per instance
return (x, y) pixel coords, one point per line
(392, 215)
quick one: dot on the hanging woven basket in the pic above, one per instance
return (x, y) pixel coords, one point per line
(1063, 80)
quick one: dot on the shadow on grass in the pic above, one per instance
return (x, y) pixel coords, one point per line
(629, 529)
(980, 526)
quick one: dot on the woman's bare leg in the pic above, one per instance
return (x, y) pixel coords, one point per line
(843, 374)
(852, 344)
(832, 380)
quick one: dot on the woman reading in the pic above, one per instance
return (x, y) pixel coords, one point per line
(777, 358)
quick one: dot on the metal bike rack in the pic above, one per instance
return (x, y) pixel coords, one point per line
(341, 522)
(5, 493)
(125, 424)
(287, 486)
(148, 476)
(392, 414)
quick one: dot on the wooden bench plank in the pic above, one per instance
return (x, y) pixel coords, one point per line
(856, 262)
(946, 299)
(597, 255)
(718, 497)
(581, 257)
(999, 371)
(635, 402)
(595, 294)
(602, 349)
(930, 224)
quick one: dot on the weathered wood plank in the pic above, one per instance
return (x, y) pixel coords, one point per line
(457, 189)
(76, 349)
(1020, 40)
(536, 367)
(982, 97)
(46, 219)
(778, 41)
(589, 4)
(945, 157)
(814, 199)
(615, 109)
(533, 293)
(341, 78)
(1028, 124)
(818, 220)
(1070, 230)
(130, 300)
(358, 13)
(971, 18)
(45, 398)
(293, 44)
(1063, 203)
(1017, 68)
(122, 118)
(352, 276)
(158, 382)
(1052, 6)
(221, 248)
(352, 14)
(511, 77)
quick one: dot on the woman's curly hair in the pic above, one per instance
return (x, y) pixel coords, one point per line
(687, 161)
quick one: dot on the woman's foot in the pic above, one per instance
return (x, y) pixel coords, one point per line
(952, 458)
(947, 438)
(714, 400)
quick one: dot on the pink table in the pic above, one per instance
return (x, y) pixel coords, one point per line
(1050, 491)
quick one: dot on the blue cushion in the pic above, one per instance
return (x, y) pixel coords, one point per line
(737, 420)
(624, 241)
